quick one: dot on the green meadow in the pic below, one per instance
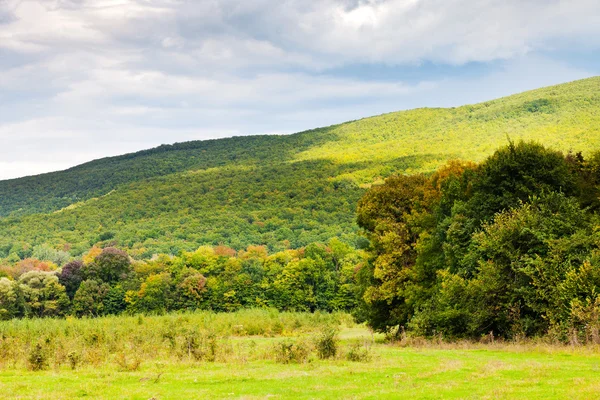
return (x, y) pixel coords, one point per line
(151, 358)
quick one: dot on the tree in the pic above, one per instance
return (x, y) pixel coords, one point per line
(191, 290)
(44, 295)
(110, 266)
(89, 299)
(114, 301)
(515, 173)
(71, 277)
(393, 216)
(47, 253)
(506, 246)
(154, 295)
(12, 303)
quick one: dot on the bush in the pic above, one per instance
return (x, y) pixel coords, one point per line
(358, 352)
(200, 346)
(128, 363)
(287, 352)
(38, 358)
(327, 343)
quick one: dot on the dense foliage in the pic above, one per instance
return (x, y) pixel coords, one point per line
(510, 246)
(278, 191)
(107, 281)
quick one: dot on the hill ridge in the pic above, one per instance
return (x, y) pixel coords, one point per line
(302, 188)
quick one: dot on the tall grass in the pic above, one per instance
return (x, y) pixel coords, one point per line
(130, 341)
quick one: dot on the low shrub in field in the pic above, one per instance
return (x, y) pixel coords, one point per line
(201, 346)
(326, 343)
(38, 358)
(287, 352)
(358, 352)
(128, 362)
(74, 359)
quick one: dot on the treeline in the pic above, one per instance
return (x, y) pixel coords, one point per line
(508, 248)
(107, 282)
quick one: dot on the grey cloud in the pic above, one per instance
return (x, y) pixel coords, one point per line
(99, 77)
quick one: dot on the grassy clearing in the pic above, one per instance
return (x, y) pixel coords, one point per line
(245, 366)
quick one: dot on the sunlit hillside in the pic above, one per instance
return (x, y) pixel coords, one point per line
(281, 191)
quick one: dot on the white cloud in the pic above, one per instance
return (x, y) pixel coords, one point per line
(80, 79)
(398, 31)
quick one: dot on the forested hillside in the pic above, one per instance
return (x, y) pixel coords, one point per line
(279, 191)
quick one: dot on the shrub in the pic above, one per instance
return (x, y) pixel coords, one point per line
(287, 352)
(358, 352)
(128, 363)
(74, 359)
(200, 346)
(327, 343)
(586, 316)
(38, 358)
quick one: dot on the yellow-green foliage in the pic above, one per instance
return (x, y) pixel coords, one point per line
(563, 117)
(281, 191)
(127, 342)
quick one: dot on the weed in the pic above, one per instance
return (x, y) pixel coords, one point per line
(198, 336)
(74, 359)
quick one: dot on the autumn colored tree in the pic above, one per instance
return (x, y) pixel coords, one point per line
(71, 277)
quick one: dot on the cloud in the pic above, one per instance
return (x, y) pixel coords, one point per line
(304, 33)
(80, 79)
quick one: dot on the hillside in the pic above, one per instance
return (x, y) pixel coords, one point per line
(281, 191)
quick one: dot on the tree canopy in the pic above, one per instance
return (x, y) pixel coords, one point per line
(509, 246)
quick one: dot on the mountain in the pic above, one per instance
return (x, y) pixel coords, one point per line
(281, 191)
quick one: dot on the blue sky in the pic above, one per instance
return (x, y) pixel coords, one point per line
(83, 79)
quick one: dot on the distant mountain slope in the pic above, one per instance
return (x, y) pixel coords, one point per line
(275, 190)
(55, 190)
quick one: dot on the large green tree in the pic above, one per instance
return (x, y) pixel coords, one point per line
(507, 246)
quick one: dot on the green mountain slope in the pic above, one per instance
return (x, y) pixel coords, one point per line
(275, 190)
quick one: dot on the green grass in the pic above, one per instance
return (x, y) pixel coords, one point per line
(426, 373)
(424, 370)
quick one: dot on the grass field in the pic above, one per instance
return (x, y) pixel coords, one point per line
(245, 369)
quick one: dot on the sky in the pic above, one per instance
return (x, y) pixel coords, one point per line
(84, 79)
